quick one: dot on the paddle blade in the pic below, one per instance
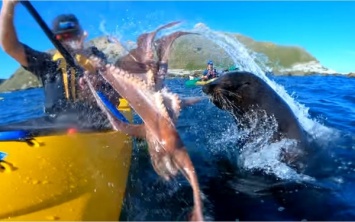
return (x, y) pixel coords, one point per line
(191, 83)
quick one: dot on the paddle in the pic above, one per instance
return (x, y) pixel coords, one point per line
(69, 59)
(50, 35)
(191, 82)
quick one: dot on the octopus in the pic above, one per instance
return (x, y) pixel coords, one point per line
(139, 78)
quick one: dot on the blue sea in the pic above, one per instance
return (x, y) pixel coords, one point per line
(237, 188)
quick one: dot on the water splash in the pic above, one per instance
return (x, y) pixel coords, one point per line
(260, 152)
(241, 57)
(237, 52)
(114, 36)
(267, 159)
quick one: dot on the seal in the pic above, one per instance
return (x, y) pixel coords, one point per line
(241, 93)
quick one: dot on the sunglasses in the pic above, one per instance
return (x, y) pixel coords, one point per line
(70, 34)
(66, 36)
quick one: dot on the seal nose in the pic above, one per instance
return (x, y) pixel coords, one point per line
(209, 88)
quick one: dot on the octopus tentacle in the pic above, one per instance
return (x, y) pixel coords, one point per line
(164, 44)
(145, 43)
(159, 102)
(173, 103)
(139, 95)
(158, 108)
(189, 101)
(117, 124)
(163, 50)
(141, 59)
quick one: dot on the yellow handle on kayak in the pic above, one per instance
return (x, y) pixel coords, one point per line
(6, 167)
(123, 105)
(32, 142)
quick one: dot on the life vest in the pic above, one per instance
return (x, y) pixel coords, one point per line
(212, 73)
(83, 61)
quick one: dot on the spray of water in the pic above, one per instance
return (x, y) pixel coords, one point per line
(242, 58)
(73, 45)
(261, 153)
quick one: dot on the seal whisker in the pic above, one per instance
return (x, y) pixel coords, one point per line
(230, 93)
(212, 97)
(228, 103)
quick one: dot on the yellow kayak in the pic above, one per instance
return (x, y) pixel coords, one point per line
(201, 83)
(198, 82)
(77, 176)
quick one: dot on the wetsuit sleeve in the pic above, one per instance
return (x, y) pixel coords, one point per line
(39, 63)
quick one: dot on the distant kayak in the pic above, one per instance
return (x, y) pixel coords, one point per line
(198, 82)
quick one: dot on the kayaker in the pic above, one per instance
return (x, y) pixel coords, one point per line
(209, 72)
(61, 102)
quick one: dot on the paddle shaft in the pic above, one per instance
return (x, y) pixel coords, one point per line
(67, 56)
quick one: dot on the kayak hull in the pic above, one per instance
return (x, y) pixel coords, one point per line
(195, 82)
(201, 83)
(76, 176)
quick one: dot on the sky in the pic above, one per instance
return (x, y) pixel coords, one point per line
(325, 29)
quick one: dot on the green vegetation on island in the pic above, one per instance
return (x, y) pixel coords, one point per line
(189, 52)
(192, 51)
(20, 80)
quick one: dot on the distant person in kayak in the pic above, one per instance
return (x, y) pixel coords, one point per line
(210, 72)
(60, 99)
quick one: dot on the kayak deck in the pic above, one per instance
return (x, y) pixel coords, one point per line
(198, 82)
(201, 83)
(77, 176)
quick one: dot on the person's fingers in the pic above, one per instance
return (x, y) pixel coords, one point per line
(82, 83)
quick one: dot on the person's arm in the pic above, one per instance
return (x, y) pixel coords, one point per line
(215, 72)
(33, 61)
(38, 63)
(8, 37)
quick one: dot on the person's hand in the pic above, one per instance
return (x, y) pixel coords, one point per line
(84, 90)
(10, 2)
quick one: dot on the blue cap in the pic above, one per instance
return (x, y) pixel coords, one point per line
(66, 23)
(210, 62)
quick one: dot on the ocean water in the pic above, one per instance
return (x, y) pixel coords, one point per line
(228, 187)
(235, 191)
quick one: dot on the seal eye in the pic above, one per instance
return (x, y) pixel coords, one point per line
(243, 85)
(246, 84)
